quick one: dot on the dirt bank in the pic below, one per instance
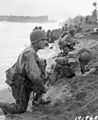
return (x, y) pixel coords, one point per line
(70, 98)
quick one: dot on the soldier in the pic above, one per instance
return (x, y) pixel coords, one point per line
(64, 47)
(78, 62)
(69, 37)
(66, 44)
(85, 58)
(74, 64)
(26, 76)
(64, 30)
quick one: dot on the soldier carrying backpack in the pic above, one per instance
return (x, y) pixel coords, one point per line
(26, 76)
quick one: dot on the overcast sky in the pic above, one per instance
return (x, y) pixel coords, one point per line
(55, 9)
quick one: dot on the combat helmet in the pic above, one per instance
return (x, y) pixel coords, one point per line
(72, 31)
(37, 35)
(85, 57)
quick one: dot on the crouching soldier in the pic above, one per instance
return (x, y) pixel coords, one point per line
(66, 44)
(60, 69)
(78, 62)
(74, 64)
(26, 76)
(84, 57)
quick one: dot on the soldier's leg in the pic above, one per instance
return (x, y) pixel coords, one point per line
(14, 108)
(24, 99)
(21, 96)
(53, 77)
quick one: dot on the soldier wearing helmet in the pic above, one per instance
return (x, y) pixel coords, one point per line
(74, 64)
(66, 44)
(62, 67)
(69, 38)
(78, 62)
(72, 32)
(64, 47)
(28, 76)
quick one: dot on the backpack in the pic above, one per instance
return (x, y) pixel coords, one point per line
(11, 75)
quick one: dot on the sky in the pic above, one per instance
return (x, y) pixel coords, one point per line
(55, 9)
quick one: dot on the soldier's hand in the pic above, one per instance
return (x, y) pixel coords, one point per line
(92, 70)
(46, 88)
(85, 74)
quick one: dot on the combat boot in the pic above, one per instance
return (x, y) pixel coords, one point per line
(38, 100)
(11, 108)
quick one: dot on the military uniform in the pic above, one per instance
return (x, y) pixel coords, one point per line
(66, 44)
(28, 79)
(28, 62)
(26, 75)
(71, 65)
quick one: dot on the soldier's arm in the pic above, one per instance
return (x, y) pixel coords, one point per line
(78, 73)
(32, 68)
(77, 69)
(92, 70)
(34, 73)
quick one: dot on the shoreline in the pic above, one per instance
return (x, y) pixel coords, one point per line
(3, 86)
(6, 95)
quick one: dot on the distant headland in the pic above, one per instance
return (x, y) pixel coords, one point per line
(12, 18)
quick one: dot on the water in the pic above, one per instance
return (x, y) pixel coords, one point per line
(14, 37)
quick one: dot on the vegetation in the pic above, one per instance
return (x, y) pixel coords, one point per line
(88, 21)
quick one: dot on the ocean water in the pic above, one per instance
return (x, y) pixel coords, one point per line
(14, 37)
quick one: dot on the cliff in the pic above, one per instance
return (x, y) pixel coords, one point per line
(37, 19)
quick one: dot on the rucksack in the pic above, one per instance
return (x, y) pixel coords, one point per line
(11, 75)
